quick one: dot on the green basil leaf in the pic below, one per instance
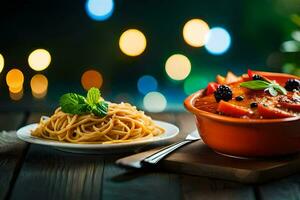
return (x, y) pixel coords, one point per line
(73, 103)
(93, 96)
(255, 85)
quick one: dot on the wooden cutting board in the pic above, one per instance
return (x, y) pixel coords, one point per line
(198, 159)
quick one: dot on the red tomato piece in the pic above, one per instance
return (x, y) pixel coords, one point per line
(211, 88)
(233, 110)
(250, 73)
(292, 106)
(272, 113)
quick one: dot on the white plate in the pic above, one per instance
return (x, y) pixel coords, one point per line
(171, 131)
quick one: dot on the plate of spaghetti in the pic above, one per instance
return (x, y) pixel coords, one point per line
(92, 125)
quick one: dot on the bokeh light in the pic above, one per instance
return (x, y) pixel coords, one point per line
(39, 85)
(1, 63)
(218, 41)
(290, 46)
(288, 68)
(132, 42)
(15, 79)
(147, 84)
(16, 96)
(91, 78)
(195, 32)
(155, 102)
(178, 67)
(99, 10)
(39, 59)
(16, 90)
(194, 83)
(296, 35)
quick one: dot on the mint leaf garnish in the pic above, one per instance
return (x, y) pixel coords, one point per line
(93, 96)
(77, 104)
(73, 103)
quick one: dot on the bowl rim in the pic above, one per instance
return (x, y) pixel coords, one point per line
(189, 105)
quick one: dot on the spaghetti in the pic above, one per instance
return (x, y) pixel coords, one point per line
(123, 123)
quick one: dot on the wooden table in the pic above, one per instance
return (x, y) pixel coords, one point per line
(38, 172)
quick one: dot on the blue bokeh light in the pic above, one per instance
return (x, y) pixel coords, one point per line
(99, 10)
(147, 84)
(218, 41)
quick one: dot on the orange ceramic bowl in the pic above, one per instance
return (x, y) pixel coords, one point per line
(247, 137)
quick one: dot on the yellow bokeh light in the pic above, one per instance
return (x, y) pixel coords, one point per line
(16, 95)
(1, 63)
(178, 67)
(91, 78)
(132, 42)
(195, 32)
(14, 79)
(39, 59)
(16, 90)
(39, 85)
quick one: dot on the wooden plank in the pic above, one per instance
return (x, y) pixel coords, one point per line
(122, 184)
(11, 150)
(195, 188)
(52, 174)
(287, 188)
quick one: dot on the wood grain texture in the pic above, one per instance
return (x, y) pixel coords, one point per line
(195, 188)
(286, 188)
(51, 174)
(122, 184)
(11, 150)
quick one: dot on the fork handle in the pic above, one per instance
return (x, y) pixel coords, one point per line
(156, 157)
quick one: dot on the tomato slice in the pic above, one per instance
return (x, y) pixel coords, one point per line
(272, 113)
(292, 106)
(211, 88)
(250, 73)
(233, 110)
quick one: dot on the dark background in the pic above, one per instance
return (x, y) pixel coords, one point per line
(77, 43)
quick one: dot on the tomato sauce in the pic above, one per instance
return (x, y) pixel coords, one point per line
(253, 104)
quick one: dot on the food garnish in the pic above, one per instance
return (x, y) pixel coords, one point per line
(73, 103)
(239, 98)
(257, 77)
(272, 87)
(223, 92)
(292, 84)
